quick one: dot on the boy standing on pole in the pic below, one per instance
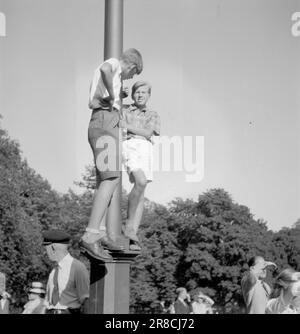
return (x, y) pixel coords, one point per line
(141, 124)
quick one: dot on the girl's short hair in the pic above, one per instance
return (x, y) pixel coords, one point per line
(139, 84)
(133, 56)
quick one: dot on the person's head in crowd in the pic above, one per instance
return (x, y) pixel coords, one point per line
(56, 243)
(258, 266)
(36, 290)
(200, 297)
(140, 93)
(287, 284)
(197, 297)
(182, 293)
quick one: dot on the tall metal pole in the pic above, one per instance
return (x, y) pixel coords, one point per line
(113, 47)
(113, 34)
(109, 291)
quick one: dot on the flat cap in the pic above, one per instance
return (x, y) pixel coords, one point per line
(55, 237)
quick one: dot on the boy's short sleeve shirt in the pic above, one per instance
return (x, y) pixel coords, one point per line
(98, 91)
(142, 119)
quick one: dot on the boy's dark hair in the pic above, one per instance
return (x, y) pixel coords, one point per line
(133, 56)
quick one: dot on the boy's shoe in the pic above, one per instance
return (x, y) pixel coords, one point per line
(134, 246)
(107, 243)
(130, 233)
(95, 250)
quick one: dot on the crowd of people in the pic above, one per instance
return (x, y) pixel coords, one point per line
(260, 298)
(184, 304)
(67, 289)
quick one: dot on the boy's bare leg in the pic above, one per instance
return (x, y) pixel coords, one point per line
(100, 203)
(135, 204)
(102, 226)
(138, 213)
(104, 234)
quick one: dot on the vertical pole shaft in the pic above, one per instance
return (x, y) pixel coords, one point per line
(113, 47)
(109, 292)
(113, 34)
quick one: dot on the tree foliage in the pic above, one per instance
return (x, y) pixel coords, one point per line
(204, 243)
(25, 202)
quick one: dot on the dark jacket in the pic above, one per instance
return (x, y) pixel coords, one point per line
(181, 308)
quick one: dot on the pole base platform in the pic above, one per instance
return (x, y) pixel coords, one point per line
(127, 255)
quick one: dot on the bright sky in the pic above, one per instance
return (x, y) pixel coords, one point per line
(226, 70)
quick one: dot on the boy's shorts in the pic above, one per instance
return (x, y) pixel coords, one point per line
(138, 154)
(105, 140)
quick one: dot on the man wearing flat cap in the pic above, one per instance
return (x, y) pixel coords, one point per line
(68, 284)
